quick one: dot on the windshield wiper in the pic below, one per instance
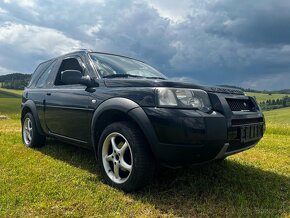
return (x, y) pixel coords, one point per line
(155, 77)
(122, 75)
(126, 75)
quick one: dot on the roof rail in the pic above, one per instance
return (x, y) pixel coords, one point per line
(83, 49)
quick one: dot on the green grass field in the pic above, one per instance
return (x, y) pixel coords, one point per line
(11, 91)
(264, 97)
(10, 101)
(61, 180)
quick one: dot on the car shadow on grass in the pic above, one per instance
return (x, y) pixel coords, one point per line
(227, 188)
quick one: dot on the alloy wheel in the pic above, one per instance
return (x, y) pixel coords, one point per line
(117, 157)
(27, 131)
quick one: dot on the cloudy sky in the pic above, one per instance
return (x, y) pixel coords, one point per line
(244, 43)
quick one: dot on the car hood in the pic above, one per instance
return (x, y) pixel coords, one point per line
(167, 83)
(147, 83)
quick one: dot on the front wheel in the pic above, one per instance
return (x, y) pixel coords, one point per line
(30, 135)
(124, 157)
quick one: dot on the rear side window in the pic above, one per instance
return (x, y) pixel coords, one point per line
(41, 67)
(42, 81)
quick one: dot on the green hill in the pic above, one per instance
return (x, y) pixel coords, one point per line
(260, 97)
(10, 101)
(11, 92)
(280, 116)
(14, 80)
(271, 101)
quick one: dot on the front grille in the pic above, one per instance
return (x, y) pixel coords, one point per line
(243, 134)
(224, 90)
(239, 122)
(241, 104)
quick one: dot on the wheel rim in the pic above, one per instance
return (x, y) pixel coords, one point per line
(27, 131)
(117, 157)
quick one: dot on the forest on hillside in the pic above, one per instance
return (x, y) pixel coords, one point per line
(14, 81)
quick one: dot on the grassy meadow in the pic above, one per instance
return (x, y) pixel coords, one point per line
(60, 180)
(11, 91)
(264, 96)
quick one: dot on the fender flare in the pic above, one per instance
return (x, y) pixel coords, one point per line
(133, 110)
(30, 105)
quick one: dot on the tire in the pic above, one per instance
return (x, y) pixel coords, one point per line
(139, 166)
(30, 136)
(221, 160)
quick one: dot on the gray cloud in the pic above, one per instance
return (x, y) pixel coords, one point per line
(214, 42)
(24, 46)
(259, 23)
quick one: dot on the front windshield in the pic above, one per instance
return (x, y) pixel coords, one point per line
(115, 66)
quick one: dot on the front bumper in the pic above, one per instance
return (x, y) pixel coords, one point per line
(191, 136)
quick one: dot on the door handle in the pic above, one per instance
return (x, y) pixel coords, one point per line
(49, 94)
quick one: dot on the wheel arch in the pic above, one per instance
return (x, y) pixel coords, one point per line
(120, 109)
(29, 106)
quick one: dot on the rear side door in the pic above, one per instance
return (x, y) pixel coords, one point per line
(66, 106)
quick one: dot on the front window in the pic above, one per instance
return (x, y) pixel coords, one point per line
(68, 64)
(111, 66)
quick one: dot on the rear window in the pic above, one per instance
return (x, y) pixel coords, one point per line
(41, 67)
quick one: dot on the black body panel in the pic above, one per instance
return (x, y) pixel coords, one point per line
(74, 113)
(67, 114)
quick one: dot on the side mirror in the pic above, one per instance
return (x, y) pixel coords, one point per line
(70, 77)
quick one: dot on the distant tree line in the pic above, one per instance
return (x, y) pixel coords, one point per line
(283, 91)
(275, 103)
(14, 81)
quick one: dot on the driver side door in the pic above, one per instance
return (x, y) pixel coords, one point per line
(66, 106)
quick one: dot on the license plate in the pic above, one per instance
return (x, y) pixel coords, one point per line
(251, 133)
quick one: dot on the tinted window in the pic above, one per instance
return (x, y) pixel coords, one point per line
(43, 78)
(67, 64)
(41, 67)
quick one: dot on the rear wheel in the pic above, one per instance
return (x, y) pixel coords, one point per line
(124, 157)
(30, 135)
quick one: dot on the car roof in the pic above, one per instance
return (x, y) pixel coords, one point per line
(87, 51)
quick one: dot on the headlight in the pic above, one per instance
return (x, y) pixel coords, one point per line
(183, 98)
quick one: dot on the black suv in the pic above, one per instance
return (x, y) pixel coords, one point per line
(133, 117)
